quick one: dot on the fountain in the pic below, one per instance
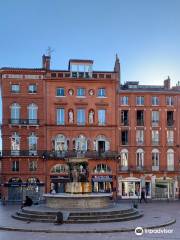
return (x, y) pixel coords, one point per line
(78, 204)
(78, 192)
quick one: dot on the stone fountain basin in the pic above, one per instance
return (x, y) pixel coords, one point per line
(78, 201)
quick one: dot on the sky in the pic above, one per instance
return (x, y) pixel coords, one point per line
(145, 35)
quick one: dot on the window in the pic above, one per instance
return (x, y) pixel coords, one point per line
(140, 100)
(170, 160)
(101, 92)
(15, 144)
(60, 168)
(155, 137)
(15, 166)
(60, 116)
(124, 100)
(81, 70)
(155, 118)
(140, 117)
(170, 118)
(81, 92)
(60, 92)
(81, 143)
(140, 137)
(170, 137)
(60, 143)
(32, 88)
(81, 117)
(102, 117)
(124, 137)
(124, 117)
(32, 165)
(15, 113)
(32, 113)
(102, 168)
(15, 88)
(32, 144)
(155, 101)
(124, 159)
(169, 101)
(140, 158)
(155, 159)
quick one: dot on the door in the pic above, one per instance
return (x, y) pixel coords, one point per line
(101, 146)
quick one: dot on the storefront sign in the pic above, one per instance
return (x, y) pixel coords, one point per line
(102, 179)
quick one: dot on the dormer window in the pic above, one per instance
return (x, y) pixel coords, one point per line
(81, 68)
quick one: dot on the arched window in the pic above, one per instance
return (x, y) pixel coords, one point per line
(15, 144)
(101, 144)
(81, 143)
(60, 168)
(170, 159)
(102, 168)
(15, 113)
(124, 159)
(60, 143)
(155, 159)
(32, 113)
(32, 144)
(140, 158)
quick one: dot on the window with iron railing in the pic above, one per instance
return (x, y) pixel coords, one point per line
(140, 117)
(124, 137)
(124, 118)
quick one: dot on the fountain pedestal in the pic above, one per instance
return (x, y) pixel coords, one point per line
(78, 201)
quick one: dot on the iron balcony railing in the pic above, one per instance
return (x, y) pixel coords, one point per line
(170, 123)
(140, 122)
(24, 121)
(61, 154)
(147, 168)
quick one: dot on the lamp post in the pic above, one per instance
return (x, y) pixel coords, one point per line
(118, 160)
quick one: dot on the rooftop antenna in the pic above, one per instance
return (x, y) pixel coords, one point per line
(49, 51)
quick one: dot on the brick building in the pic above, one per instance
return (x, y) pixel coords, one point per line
(53, 118)
(124, 137)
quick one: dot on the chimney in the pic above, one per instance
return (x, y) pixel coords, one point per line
(167, 83)
(46, 62)
(117, 68)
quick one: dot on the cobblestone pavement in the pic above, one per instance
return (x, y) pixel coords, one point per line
(154, 209)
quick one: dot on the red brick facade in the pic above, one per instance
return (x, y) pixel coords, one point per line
(60, 99)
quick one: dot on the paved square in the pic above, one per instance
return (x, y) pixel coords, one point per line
(153, 209)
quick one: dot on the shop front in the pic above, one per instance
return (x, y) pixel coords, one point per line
(58, 183)
(102, 184)
(130, 187)
(18, 190)
(165, 188)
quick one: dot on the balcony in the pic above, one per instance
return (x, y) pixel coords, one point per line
(155, 143)
(22, 153)
(60, 154)
(140, 122)
(24, 122)
(79, 154)
(125, 122)
(170, 123)
(155, 123)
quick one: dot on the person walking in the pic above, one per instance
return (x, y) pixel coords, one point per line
(143, 195)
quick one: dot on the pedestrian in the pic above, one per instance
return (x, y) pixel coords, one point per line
(143, 195)
(27, 203)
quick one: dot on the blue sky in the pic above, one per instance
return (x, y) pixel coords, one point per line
(145, 34)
